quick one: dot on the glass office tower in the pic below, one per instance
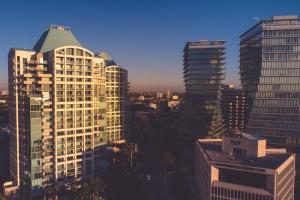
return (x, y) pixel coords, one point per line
(270, 77)
(203, 75)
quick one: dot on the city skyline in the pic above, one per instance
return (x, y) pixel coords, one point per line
(145, 37)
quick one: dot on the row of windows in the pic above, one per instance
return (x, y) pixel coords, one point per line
(188, 81)
(281, 64)
(278, 94)
(73, 99)
(291, 32)
(281, 56)
(275, 124)
(74, 67)
(77, 73)
(72, 51)
(73, 86)
(280, 79)
(69, 79)
(279, 135)
(206, 76)
(79, 131)
(79, 113)
(72, 113)
(281, 72)
(280, 48)
(275, 117)
(278, 87)
(218, 193)
(276, 41)
(204, 61)
(71, 92)
(276, 110)
(71, 60)
(277, 102)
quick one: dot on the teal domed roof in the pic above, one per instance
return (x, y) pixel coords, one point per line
(56, 36)
(108, 60)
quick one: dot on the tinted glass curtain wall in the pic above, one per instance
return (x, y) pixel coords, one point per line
(203, 75)
(270, 77)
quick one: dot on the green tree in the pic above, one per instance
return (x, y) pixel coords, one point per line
(167, 160)
(95, 188)
(2, 197)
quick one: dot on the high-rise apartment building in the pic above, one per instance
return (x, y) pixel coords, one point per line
(240, 167)
(57, 111)
(233, 108)
(117, 99)
(270, 77)
(203, 75)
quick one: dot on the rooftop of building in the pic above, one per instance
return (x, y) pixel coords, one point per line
(273, 18)
(271, 160)
(108, 59)
(286, 17)
(23, 49)
(207, 44)
(55, 36)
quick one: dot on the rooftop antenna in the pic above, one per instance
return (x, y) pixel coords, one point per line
(257, 19)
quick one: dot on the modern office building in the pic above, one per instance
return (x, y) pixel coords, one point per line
(117, 87)
(240, 167)
(233, 108)
(57, 111)
(270, 77)
(203, 74)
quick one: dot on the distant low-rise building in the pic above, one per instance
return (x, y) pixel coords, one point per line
(153, 105)
(175, 97)
(173, 104)
(141, 98)
(240, 167)
(168, 94)
(159, 94)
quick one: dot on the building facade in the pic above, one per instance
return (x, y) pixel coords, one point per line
(203, 74)
(57, 109)
(240, 167)
(117, 102)
(117, 87)
(270, 77)
(233, 108)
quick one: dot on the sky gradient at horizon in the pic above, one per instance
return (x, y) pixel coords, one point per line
(144, 37)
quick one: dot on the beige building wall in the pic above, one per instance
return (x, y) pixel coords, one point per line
(28, 76)
(116, 96)
(70, 84)
(279, 182)
(79, 106)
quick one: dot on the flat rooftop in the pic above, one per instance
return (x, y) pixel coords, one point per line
(214, 151)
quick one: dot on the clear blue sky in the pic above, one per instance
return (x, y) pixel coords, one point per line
(145, 37)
